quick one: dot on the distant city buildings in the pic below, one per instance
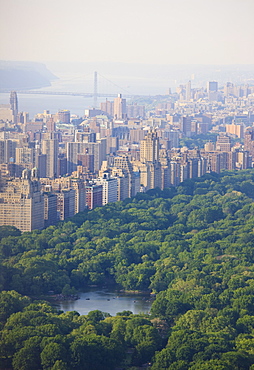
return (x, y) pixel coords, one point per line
(53, 167)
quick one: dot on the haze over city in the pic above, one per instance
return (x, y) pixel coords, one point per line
(143, 31)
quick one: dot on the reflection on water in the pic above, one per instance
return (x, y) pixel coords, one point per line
(107, 301)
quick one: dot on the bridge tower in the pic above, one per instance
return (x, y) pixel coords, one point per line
(95, 91)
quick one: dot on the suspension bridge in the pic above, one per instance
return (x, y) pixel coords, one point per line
(95, 94)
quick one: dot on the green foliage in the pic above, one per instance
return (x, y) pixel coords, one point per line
(191, 245)
(6, 231)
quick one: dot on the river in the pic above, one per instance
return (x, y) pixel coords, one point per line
(107, 301)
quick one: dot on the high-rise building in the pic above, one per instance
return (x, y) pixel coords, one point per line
(212, 90)
(174, 173)
(185, 125)
(109, 188)
(86, 161)
(7, 151)
(120, 108)
(61, 184)
(188, 91)
(22, 203)
(235, 129)
(65, 204)
(25, 155)
(249, 140)
(97, 150)
(64, 116)
(223, 143)
(122, 183)
(149, 148)
(135, 111)
(6, 113)
(50, 148)
(50, 209)
(93, 195)
(41, 164)
(14, 105)
(108, 107)
(123, 163)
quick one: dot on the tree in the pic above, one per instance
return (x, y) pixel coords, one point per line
(52, 353)
(28, 357)
(7, 230)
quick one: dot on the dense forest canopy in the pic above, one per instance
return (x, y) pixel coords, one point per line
(192, 245)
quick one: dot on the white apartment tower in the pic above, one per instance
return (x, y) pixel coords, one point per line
(50, 148)
(120, 107)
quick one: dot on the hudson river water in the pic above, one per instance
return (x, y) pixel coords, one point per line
(107, 301)
(36, 103)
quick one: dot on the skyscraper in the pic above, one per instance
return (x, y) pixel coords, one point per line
(93, 195)
(185, 125)
(14, 105)
(149, 148)
(120, 107)
(50, 148)
(109, 188)
(188, 91)
(212, 90)
(7, 150)
(123, 163)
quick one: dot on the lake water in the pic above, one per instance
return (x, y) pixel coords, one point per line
(107, 301)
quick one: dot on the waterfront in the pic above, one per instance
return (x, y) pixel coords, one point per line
(109, 301)
(37, 103)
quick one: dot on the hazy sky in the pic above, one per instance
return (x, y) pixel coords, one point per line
(138, 31)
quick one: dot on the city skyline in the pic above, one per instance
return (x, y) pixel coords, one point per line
(145, 32)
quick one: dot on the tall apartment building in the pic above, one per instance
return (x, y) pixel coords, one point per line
(25, 155)
(123, 163)
(174, 173)
(109, 188)
(165, 169)
(149, 165)
(93, 195)
(8, 151)
(65, 204)
(14, 105)
(107, 107)
(22, 203)
(188, 91)
(185, 125)
(249, 141)
(120, 111)
(135, 111)
(64, 184)
(235, 129)
(122, 183)
(64, 116)
(212, 90)
(6, 113)
(149, 148)
(50, 209)
(150, 174)
(223, 143)
(173, 137)
(97, 150)
(50, 148)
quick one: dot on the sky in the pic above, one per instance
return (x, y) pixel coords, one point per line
(130, 31)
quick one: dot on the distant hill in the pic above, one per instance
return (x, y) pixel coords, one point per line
(24, 75)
